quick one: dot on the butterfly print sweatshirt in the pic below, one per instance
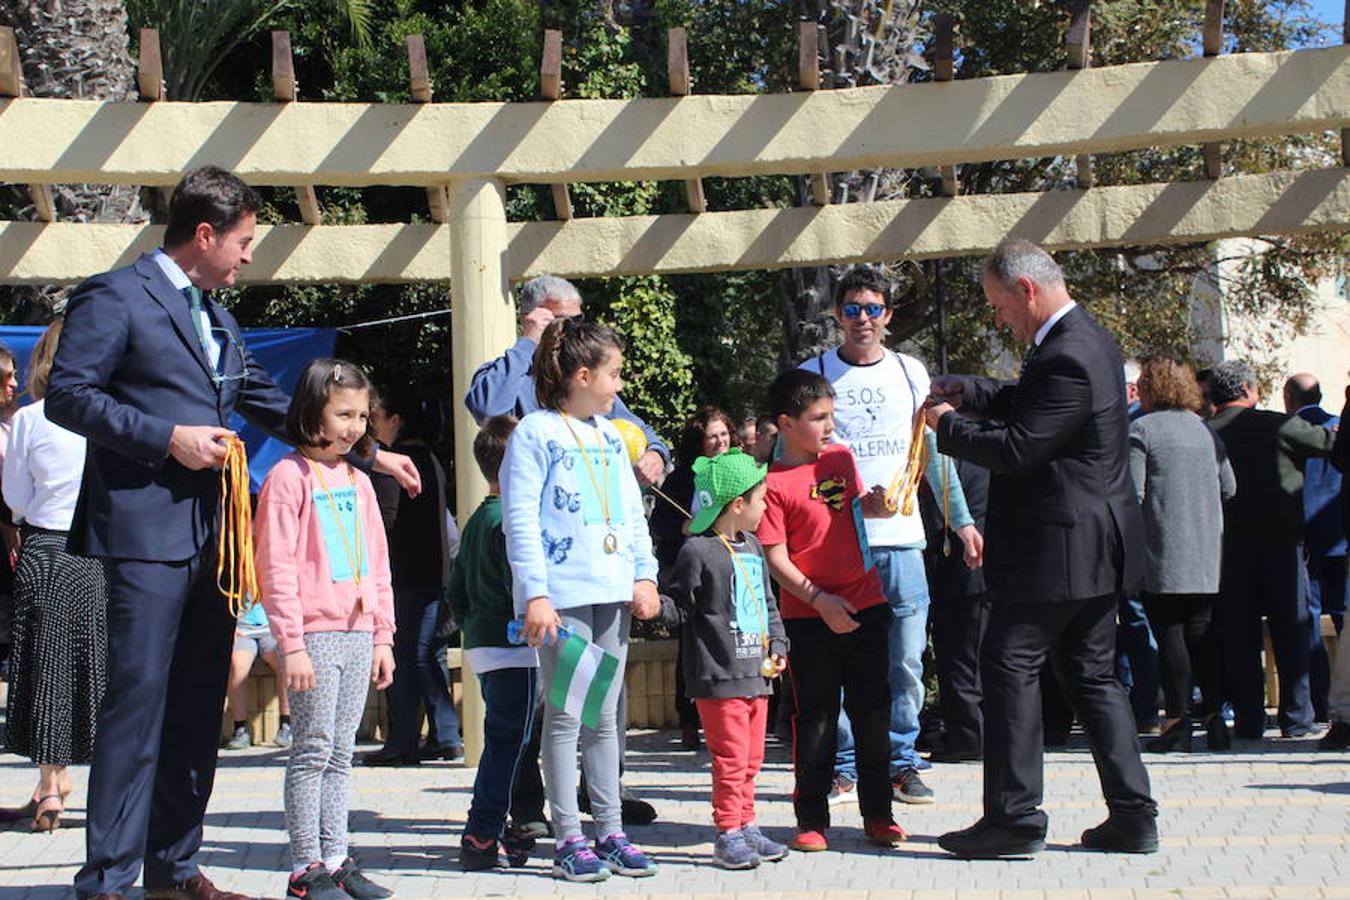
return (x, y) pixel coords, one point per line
(563, 492)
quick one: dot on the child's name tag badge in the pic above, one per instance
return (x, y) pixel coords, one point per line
(340, 540)
(751, 608)
(861, 527)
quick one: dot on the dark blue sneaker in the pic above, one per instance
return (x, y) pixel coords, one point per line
(623, 858)
(731, 851)
(574, 861)
(758, 841)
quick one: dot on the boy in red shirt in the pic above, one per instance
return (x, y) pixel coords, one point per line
(832, 605)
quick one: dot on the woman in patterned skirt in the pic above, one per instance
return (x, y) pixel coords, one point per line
(60, 607)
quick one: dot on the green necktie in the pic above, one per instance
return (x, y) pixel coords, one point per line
(194, 299)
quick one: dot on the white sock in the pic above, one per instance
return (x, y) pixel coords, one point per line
(300, 869)
(332, 864)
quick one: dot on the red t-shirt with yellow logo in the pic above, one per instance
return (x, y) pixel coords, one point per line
(811, 510)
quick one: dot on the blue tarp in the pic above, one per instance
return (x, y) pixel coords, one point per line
(283, 352)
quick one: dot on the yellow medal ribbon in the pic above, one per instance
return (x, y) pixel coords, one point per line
(767, 667)
(611, 544)
(354, 559)
(236, 576)
(904, 487)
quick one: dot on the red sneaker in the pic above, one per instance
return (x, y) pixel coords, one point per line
(887, 834)
(809, 842)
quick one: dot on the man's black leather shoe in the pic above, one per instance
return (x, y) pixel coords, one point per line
(1119, 835)
(985, 841)
(1336, 738)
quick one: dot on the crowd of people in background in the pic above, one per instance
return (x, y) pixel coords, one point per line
(1099, 540)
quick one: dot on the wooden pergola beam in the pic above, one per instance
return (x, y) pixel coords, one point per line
(944, 69)
(1079, 45)
(1212, 43)
(285, 89)
(550, 88)
(1124, 215)
(677, 69)
(1098, 110)
(808, 79)
(419, 83)
(12, 85)
(150, 67)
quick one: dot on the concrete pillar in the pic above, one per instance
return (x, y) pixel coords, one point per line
(482, 327)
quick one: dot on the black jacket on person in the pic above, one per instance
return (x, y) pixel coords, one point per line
(720, 659)
(1063, 521)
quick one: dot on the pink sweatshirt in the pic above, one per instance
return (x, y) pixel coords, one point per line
(294, 571)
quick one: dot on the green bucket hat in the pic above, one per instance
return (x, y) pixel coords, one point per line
(720, 479)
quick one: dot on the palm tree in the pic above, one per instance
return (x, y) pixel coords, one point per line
(75, 49)
(198, 35)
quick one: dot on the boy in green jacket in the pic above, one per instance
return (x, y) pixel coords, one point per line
(480, 600)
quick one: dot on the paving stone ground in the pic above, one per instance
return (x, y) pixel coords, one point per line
(1271, 819)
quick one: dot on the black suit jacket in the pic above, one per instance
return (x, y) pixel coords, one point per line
(128, 369)
(1063, 522)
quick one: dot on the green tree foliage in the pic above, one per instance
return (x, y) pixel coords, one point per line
(719, 338)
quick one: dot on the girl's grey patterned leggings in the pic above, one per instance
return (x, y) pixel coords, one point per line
(324, 722)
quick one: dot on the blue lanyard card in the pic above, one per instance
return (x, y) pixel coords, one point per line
(861, 527)
(752, 612)
(341, 548)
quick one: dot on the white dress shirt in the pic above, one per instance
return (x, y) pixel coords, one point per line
(180, 281)
(1050, 322)
(43, 469)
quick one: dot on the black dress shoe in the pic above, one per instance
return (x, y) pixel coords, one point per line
(985, 841)
(1120, 835)
(954, 755)
(1176, 736)
(1336, 738)
(387, 757)
(1217, 736)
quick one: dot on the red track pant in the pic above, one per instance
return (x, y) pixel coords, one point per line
(734, 729)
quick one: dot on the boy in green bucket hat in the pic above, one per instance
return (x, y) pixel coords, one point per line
(733, 644)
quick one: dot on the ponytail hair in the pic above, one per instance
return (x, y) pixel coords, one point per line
(568, 345)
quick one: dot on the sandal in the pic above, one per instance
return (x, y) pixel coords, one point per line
(47, 818)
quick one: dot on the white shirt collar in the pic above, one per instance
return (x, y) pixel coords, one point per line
(1050, 322)
(177, 277)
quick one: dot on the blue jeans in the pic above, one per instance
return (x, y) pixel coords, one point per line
(904, 581)
(509, 696)
(418, 676)
(1137, 660)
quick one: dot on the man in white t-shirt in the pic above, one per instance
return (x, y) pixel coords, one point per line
(877, 393)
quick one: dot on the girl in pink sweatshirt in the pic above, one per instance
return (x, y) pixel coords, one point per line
(323, 569)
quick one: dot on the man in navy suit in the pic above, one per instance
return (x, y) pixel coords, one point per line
(1063, 542)
(150, 369)
(1324, 544)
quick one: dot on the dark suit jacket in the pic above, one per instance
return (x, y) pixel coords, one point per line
(1268, 451)
(1063, 522)
(128, 369)
(1323, 519)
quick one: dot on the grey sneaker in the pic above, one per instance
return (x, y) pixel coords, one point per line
(731, 851)
(841, 791)
(908, 787)
(284, 736)
(767, 850)
(240, 740)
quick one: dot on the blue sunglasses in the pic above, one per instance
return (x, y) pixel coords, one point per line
(873, 310)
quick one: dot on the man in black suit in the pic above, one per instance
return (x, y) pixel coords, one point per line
(1262, 527)
(1064, 540)
(150, 369)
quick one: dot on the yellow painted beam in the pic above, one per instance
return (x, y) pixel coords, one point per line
(1070, 112)
(1277, 203)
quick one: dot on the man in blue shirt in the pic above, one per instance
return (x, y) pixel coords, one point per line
(505, 386)
(1324, 544)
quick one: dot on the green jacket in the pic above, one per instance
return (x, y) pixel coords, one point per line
(1267, 450)
(480, 582)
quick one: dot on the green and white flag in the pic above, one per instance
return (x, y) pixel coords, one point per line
(582, 679)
